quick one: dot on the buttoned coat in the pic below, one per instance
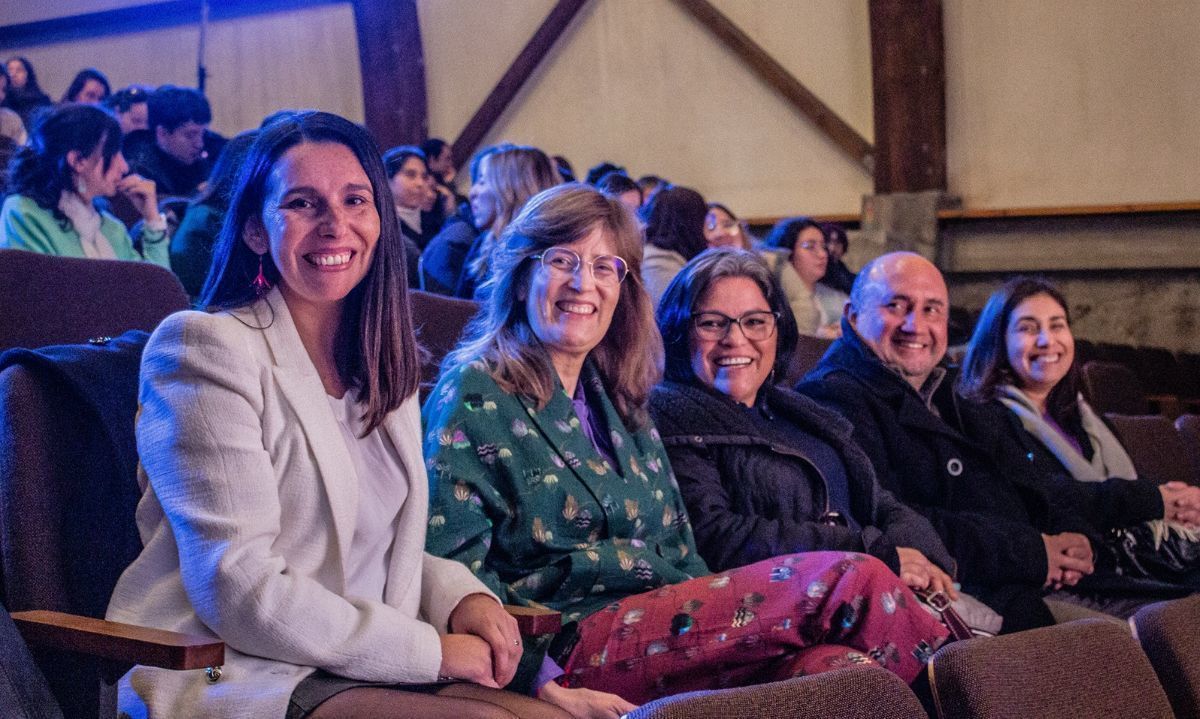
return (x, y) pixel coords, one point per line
(249, 511)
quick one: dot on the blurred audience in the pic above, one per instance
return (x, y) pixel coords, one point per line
(25, 96)
(171, 150)
(674, 222)
(89, 87)
(795, 251)
(73, 158)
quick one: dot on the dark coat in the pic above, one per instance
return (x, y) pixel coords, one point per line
(749, 495)
(171, 177)
(444, 259)
(1104, 505)
(992, 525)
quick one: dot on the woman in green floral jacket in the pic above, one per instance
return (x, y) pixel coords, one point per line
(550, 482)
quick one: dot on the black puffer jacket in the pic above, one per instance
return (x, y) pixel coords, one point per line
(749, 495)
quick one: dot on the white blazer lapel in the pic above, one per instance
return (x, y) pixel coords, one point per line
(299, 382)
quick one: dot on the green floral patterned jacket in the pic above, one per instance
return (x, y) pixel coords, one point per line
(522, 498)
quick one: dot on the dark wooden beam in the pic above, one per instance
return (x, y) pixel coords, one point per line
(777, 77)
(909, 78)
(510, 84)
(393, 71)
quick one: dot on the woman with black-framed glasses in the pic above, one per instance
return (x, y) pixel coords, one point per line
(765, 471)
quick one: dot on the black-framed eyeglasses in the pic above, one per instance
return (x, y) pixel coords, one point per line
(561, 262)
(756, 325)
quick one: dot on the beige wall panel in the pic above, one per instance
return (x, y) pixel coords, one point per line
(1072, 101)
(256, 64)
(639, 82)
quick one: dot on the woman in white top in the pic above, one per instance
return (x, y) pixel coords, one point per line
(796, 253)
(286, 499)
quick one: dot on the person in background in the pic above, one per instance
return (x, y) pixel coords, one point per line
(89, 87)
(565, 171)
(507, 179)
(551, 484)
(651, 184)
(129, 104)
(618, 185)
(171, 150)
(193, 241)
(796, 253)
(25, 97)
(723, 229)
(837, 274)
(285, 501)
(444, 257)
(72, 159)
(440, 157)
(412, 192)
(11, 125)
(674, 222)
(599, 170)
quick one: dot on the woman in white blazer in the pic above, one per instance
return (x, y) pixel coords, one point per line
(286, 498)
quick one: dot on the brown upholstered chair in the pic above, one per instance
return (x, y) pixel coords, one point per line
(809, 351)
(863, 692)
(1086, 668)
(439, 322)
(1159, 452)
(1169, 636)
(60, 300)
(1111, 387)
(1188, 426)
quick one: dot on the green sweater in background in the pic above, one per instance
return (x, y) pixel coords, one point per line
(28, 226)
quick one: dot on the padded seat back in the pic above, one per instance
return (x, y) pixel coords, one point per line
(1159, 452)
(1112, 387)
(1086, 668)
(1169, 636)
(809, 351)
(439, 322)
(861, 692)
(48, 300)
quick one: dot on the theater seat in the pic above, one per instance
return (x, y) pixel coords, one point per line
(1086, 668)
(1112, 387)
(439, 322)
(1168, 634)
(862, 692)
(49, 300)
(1159, 452)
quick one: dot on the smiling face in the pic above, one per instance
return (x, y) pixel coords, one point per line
(903, 317)
(571, 314)
(319, 223)
(410, 184)
(721, 230)
(1039, 343)
(809, 256)
(735, 366)
(484, 202)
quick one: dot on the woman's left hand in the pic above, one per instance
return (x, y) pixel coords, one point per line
(142, 193)
(1181, 503)
(481, 615)
(585, 703)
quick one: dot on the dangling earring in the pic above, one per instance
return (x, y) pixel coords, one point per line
(261, 284)
(80, 186)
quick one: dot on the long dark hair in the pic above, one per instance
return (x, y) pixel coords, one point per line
(986, 366)
(690, 285)
(378, 351)
(675, 221)
(81, 78)
(40, 170)
(31, 87)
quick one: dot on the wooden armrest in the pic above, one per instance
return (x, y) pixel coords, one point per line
(532, 621)
(118, 642)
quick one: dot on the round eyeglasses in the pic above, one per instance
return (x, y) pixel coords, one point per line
(563, 263)
(756, 325)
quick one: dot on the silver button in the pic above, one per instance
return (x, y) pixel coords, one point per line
(954, 467)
